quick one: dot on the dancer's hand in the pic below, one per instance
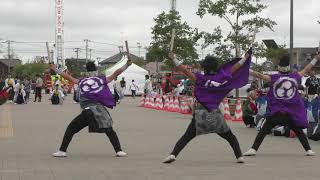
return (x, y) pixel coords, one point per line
(248, 53)
(317, 57)
(129, 62)
(52, 66)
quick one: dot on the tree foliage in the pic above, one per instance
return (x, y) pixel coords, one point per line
(140, 62)
(275, 54)
(29, 70)
(185, 42)
(243, 18)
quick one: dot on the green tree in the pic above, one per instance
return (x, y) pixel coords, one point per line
(185, 42)
(275, 54)
(243, 18)
(29, 70)
(140, 62)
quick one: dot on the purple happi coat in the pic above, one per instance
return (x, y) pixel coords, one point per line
(96, 89)
(211, 89)
(284, 97)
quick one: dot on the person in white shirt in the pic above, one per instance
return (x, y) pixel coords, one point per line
(116, 89)
(16, 89)
(147, 86)
(20, 94)
(134, 88)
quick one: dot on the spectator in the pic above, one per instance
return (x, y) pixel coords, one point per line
(148, 86)
(10, 83)
(312, 85)
(123, 86)
(57, 95)
(27, 89)
(250, 108)
(20, 94)
(116, 90)
(133, 88)
(39, 84)
(167, 87)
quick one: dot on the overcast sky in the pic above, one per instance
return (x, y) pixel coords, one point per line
(111, 21)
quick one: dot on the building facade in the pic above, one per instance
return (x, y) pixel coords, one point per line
(5, 64)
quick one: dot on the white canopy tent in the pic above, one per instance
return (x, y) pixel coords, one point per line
(134, 72)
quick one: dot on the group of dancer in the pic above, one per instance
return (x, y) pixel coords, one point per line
(211, 87)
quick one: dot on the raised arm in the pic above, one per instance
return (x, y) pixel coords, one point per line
(63, 74)
(182, 68)
(119, 71)
(308, 67)
(238, 65)
(260, 76)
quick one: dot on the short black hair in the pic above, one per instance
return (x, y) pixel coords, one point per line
(210, 65)
(147, 76)
(91, 66)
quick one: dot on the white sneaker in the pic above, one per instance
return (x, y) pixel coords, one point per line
(169, 159)
(121, 154)
(240, 160)
(59, 154)
(310, 153)
(250, 152)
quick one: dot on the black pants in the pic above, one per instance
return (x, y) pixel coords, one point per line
(249, 121)
(284, 120)
(191, 133)
(38, 94)
(82, 121)
(116, 96)
(133, 92)
(27, 96)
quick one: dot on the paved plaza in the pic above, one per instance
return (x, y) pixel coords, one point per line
(31, 133)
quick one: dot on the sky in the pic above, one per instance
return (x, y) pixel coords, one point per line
(107, 23)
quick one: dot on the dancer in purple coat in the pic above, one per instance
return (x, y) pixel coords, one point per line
(210, 89)
(95, 96)
(285, 104)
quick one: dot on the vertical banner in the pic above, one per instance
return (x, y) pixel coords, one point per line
(59, 17)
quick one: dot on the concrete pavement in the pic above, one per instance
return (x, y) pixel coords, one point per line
(147, 136)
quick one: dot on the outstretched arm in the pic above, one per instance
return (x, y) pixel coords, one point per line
(182, 68)
(308, 67)
(63, 74)
(119, 71)
(238, 65)
(260, 76)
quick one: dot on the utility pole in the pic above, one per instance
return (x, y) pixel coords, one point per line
(77, 50)
(291, 31)
(87, 48)
(9, 55)
(173, 5)
(139, 47)
(52, 55)
(90, 50)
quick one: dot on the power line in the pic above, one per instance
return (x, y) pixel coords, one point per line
(106, 43)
